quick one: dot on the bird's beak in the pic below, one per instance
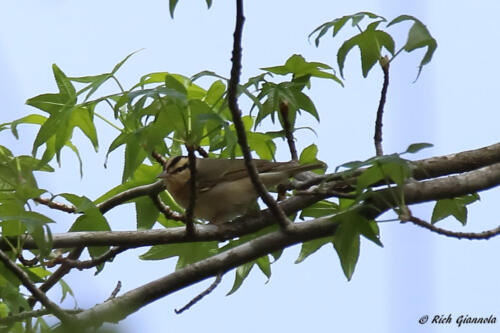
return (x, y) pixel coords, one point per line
(163, 174)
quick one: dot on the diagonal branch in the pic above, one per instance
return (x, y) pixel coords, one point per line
(128, 303)
(59, 273)
(37, 293)
(198, 298)
(232, 101)
(131, 301)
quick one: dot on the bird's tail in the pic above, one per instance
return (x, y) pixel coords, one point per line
(298, 168)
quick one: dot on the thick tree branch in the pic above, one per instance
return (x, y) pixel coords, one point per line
(232, 100)
(128, 303)
(37, 293)
(423, 169)
(131, 301)
(377, 203)
(456, 163)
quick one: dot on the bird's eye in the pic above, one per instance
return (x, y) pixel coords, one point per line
(181, 168)
(177, 164)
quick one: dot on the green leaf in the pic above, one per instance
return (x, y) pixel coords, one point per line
(388, 167)
(37, 274)
(265, 266)
(309, 154)
(371, 231)
(319, 209)
(338, 23)
(146, 213)
(418, 37)
(346, 243)
(65, 290)
(416, 147)
(65, 86)
(83, 119)
(306, 104)
(262, 144)
(299, 67)
(370, 43)
(35, 119)
(120, 64)
(188, 253)
(55, 126)
(35, 224)
(310, 247)
(171, 7)
(175, 89)
(215, 93)
(241, 274)
(456, 207)
(92, 220)
(134, 155)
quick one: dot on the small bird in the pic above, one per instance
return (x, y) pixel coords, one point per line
(224, 189)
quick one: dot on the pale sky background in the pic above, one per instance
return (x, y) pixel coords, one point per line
(453, 105)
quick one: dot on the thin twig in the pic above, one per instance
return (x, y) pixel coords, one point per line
(81, 265)
(37, 293)
(232, 101)
(287, 127)
(115, 291)
(165, 210)
(27, 262)
(203, 153)
(198, 298)
(130, 194)
(192, 191)
(467, 235)
(384, 63)
(31, 314)
(160, 159)
(55, 205)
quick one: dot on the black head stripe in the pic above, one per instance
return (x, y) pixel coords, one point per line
(176, 164)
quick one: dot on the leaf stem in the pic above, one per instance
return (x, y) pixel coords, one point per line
(108, 122)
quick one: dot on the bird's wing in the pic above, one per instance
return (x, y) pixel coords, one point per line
(213, 171)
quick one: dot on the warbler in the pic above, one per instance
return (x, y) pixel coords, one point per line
(223, 188)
